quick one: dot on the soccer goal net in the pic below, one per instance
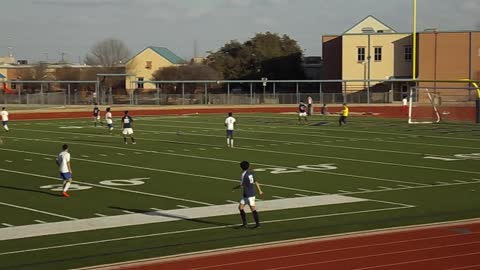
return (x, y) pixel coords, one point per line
(441, 104)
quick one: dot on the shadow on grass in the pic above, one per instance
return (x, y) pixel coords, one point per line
(31, 190)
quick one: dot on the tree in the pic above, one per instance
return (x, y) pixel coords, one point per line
(108, 53)
(265, 55)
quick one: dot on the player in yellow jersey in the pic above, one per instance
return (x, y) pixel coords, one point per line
(343, 115)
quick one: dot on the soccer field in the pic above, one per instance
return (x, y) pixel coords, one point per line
(171, 193)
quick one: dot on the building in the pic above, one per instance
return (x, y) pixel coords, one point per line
(142, 66)
(369, 52)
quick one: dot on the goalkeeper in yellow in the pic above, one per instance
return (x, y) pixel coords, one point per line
(343, 115)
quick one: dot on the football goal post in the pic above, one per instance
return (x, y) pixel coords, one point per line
(433, 104)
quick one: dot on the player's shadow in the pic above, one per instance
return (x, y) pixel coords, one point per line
(30, 190)
(168, 215)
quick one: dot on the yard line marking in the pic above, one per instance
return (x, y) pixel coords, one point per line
(186, 150)
(162, 170)
(217, 148)
(460, 181)
(137, 153)
(112, 188)
(197, 230)
(202, 149)
(278, 197)
(171, 151)
(36, 210)
(7, 225)
(336, 137)
(442, 183)
(85, 156)
(9, 161)
(120, 154)
(243, 148)
(40, 221)
(382, 187)
(230, 201)
(182, 206)
(157, 209)
(364, 189)
(404, 186)
(27, 159)
(128, 212)
(301, 195)
(103, 155)
(343, 191)
(167, 216)
(100, 215)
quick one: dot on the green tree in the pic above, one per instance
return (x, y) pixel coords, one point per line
(265, 55)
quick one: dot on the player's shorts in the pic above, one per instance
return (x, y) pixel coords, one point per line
(127, 131)
(65, 176)
(248, 201)
(4, 123)
(229, 133)
(302, 114)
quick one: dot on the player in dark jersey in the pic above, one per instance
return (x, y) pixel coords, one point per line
(127, 125)
(96, 115)
(248, 185)
(302, 113)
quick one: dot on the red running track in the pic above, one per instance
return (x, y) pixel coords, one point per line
(452, 247)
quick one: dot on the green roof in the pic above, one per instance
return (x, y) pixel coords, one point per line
(167, 54)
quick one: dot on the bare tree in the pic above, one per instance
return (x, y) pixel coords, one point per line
(108, 53)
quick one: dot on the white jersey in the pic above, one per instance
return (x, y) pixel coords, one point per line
(230, 122)
(4, 115)
(310, 100)
(108, 118)
(62, 160)
(405, 102)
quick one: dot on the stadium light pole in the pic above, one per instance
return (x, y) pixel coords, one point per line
(414, 57)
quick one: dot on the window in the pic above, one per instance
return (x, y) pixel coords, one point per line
(408, 53)
(378, 54)
(13, 85)
(148, 65)
(140, 84)
(361, 54)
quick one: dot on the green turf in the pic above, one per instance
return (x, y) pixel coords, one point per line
(409, 174)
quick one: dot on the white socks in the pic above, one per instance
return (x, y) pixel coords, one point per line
(229, 142)
(66, 187)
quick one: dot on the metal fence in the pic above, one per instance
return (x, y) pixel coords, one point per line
(214, 92)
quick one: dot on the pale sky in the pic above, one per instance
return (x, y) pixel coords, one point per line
(37, 29)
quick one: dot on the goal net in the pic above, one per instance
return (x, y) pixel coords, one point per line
(441, 104)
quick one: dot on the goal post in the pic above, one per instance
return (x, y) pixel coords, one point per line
(423, 106)
(452, 102)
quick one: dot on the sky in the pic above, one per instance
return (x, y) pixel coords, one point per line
(39, 30)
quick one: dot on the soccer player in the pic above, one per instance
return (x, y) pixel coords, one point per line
(109, 121)
(302, 113)
(405, 105)
(4, 114)
(63, 162)
(343, 115)
(248, 183)
(127, 124)
(230, 124)
(96, 115)
(309, 105)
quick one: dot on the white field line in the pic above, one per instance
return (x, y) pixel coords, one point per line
(344, 192)
(165, 171)
(106, 187)
(338, 158)
(331, 129)
(36, 210)
(7, 225)
(100, 215)
(182, 213)
(249, 149)
(40, 221)
(193, 230)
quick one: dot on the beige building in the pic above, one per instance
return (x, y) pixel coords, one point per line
(142, 66)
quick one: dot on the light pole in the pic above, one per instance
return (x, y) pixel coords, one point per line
(264, 83)
(414, 56)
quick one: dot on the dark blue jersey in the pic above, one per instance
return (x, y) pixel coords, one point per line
(127, 121)
(248, 184)
(96, 111)
(302, 108)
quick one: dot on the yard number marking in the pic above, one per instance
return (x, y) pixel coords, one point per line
(112, 183)
(300, 168)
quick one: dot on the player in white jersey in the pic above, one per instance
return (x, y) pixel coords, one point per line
(4, 114)
(63, 162)
(230, 124)
(109, 121)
